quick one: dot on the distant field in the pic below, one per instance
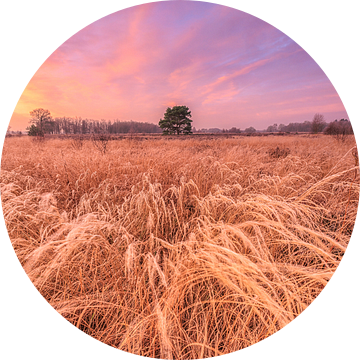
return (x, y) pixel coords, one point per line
(180, 248)
(157, 136)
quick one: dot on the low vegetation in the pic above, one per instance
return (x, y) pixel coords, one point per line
(180, 248)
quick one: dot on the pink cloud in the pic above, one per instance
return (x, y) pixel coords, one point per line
(230, 68)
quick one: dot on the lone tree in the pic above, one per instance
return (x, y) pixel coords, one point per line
(176, 120)
(318, 123)
(40, 118)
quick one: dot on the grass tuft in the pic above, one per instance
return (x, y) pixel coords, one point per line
(180, 249)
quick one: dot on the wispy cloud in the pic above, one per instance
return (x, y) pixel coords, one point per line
(229, 67)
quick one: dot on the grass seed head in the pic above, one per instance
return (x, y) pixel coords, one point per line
(181, 249)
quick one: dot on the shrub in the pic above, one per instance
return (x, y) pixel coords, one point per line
(33, 130)
(77, 142)
(279, 153)
(100, 142)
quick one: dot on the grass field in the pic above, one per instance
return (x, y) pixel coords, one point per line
(184, 248)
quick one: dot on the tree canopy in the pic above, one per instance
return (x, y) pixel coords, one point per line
(250, 130)
(176, 120)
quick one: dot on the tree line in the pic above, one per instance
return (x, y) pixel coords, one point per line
(42, 122)
(176, 121)
(317, 125)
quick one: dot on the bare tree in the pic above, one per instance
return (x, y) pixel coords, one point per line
(40, 118)
(318, 123)
(339, 129)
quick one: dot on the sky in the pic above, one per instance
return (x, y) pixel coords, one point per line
(230, 68)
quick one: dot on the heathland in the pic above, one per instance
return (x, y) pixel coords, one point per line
(180, 248)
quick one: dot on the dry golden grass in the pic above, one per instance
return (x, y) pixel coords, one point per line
(180, 249)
